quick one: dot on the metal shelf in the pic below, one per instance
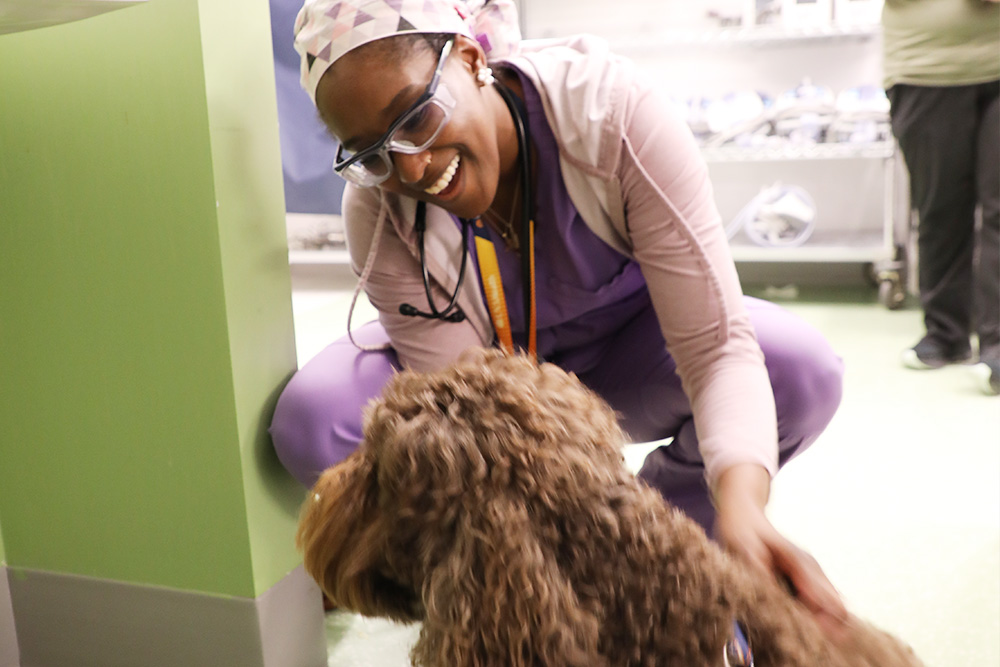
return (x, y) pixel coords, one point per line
(881, 151)
(810, 254)
(340, 257)
(765, 36)
(847, 247)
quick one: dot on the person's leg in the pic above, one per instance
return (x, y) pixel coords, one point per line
(987, 277)
(936, 129)
(637, 377)
(317, 421)
(988, 180)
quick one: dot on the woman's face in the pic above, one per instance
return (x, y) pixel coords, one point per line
(367, 89)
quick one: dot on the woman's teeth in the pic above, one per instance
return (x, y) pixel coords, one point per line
(445, 179)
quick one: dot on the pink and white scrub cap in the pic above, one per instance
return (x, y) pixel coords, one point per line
(327, 29)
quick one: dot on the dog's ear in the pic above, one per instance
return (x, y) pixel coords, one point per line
(342, 537)
(499, 599)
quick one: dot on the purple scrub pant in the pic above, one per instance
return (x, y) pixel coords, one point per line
(317, 421)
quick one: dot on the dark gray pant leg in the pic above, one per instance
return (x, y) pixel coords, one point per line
(937, 129)
(987, 313)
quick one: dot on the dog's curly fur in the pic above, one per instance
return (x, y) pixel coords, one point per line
(490, 502)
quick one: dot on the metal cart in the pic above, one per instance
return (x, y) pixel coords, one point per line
(859, 207)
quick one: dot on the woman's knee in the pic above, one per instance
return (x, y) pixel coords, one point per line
(303, 428)
(806, 374)
(807, 392)
(317, 421)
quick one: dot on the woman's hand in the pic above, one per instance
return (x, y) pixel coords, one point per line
(740, 496)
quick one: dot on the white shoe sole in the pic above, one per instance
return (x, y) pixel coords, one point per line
(985, 376)
(911, 360)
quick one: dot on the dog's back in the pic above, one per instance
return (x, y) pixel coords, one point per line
(490, 501)
(665, 594)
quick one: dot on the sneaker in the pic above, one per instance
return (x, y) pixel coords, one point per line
(930, 353)
(989, 374)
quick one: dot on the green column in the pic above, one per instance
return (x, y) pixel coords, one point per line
(9, 656)
(145, 314)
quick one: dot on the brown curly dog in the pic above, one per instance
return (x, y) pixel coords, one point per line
(490, 502)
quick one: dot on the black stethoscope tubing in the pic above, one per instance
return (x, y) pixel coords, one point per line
(451, 312)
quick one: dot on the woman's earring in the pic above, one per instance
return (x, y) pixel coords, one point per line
(485, 76)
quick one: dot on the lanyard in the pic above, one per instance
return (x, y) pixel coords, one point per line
(489, 273)
(489, 269)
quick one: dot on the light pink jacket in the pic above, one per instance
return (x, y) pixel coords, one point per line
(636, 176)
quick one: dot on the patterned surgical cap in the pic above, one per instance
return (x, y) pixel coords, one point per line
(327, 29)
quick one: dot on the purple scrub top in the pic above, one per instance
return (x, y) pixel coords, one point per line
(585, 290)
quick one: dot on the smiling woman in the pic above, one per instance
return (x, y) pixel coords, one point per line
(592, 218)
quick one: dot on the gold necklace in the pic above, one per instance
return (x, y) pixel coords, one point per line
(505, 226)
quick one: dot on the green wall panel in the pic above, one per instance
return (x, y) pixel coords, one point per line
(126, 440)
(247, 174)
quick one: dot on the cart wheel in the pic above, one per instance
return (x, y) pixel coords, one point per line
(890, 291)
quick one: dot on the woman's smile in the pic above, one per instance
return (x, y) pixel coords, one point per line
(441, 187)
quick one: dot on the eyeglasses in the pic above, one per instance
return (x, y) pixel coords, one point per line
(410, 133)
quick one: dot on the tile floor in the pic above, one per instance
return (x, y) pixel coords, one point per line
(899, 499)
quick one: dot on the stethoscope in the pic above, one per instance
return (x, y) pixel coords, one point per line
(451, 312)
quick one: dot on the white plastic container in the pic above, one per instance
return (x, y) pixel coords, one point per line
(857, 12)
(806, 13)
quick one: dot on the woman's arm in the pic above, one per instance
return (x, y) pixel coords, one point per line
(679, 241)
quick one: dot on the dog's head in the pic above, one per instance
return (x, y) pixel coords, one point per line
(436, 516)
